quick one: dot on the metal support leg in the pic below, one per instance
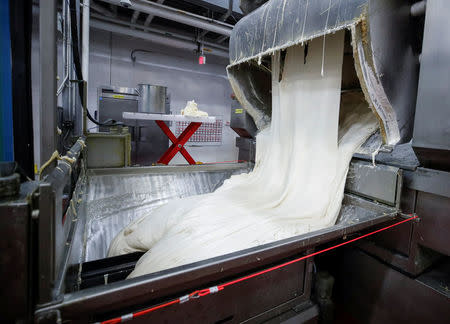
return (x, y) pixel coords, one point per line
(177, 143)
(48, 68)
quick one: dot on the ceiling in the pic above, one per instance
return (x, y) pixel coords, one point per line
(214, 9)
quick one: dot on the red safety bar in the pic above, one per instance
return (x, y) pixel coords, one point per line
(177, 143)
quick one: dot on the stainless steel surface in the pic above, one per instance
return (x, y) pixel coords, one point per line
(380, 183)
(434, 228)
(113, 101)
(182, 118)
(108, 150)
(247, 149)
(179, 16)
(418, 246)
(115, 197)
(431, 139)
(241, 122)
(148, 142)
(48, 72)
(114, 200)
(119, 90)
(152, 99)
(429, 180)
(111, 106)
(171, 169)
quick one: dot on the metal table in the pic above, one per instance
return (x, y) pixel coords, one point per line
(177, 143)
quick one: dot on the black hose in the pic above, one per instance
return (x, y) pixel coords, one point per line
(77, 62)
(133, 56)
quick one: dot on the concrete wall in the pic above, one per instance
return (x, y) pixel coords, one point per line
(111, 64)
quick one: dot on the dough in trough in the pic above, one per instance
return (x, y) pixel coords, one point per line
(298, 181)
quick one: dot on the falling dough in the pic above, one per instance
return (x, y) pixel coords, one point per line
(191, 109)
(296, 186)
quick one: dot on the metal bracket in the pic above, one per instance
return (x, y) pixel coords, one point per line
(407, 216)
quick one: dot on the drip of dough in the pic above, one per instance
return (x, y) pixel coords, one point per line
(298, 181)
(191, 109)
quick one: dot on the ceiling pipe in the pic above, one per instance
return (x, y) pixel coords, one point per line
(221, 39)
(161, 31)
(135, 17)
(184, 17)
(155, 38)
(223, 18)
(150, 17)
(102, 10)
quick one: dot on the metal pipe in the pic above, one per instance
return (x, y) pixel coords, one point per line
(149, 18)
(221, 39)
(180, 16)
(102, 10)
(66, 48)
(223, 18)
(134, 17)
(153, 37)
(418, 8)
(85, 48)
(48, 72)
(160, 31)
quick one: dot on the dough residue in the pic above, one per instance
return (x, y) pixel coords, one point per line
(296, 186)
(191, 109)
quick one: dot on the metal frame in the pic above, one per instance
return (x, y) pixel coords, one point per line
(170, 169)
(48, 72)
(357, 214)
(431, 120)
(54, 231)
(413, 248)
(149, 289)
(382, 183)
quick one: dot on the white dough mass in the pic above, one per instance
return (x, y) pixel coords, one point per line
(191, 109)
(298, 181)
